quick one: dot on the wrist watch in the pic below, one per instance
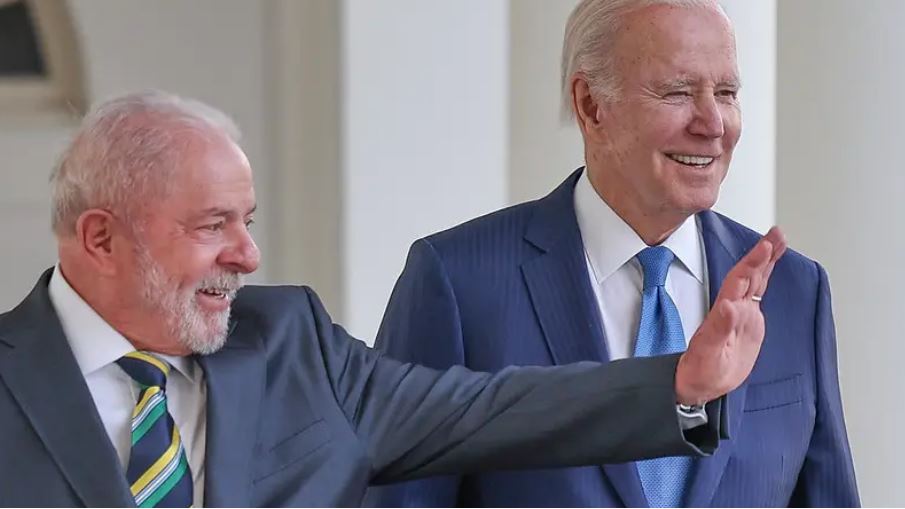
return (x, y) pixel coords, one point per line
(691, 416)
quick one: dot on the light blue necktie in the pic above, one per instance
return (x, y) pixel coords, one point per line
(660, 333)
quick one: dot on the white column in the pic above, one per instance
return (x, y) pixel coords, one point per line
(303, 134)
(543, 148)
(842, 200)
(748, 194)
(425, 114)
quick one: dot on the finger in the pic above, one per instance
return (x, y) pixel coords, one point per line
(756, 280)
(778, 241)
(759, 279)
(737, 284)
(759, 285)
(759, 255)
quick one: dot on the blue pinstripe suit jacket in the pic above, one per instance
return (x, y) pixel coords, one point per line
(511, 288)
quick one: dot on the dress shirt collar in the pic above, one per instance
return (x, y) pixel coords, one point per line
(93, 341)
(610, 242)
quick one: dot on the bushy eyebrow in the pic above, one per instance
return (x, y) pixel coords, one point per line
(733, 83)
(689, 82)
(675, 84)
(221, 212)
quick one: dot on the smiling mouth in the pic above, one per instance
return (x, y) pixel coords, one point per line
(216, 293)
(695, 161)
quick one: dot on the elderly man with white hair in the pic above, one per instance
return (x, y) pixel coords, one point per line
(137, 372)
(626, 249)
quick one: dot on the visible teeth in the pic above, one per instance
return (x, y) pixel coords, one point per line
(214, 292)
(691, 160)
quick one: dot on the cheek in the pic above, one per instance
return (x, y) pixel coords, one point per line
(668, 131)
(732, 126)
(189, 265)
(200, 265)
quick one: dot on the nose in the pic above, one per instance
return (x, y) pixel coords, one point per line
(242, 255)
(708, 119)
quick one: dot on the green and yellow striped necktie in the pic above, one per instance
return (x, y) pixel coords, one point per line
(158, 470)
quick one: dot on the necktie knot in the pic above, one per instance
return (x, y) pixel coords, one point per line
(655, 263)
(146, 369)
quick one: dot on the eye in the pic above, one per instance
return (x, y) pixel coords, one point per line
(249, 222)
(728, 94)
(678, 94)
(214, 227)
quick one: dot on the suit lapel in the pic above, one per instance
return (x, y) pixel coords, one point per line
(723, 252)
(235, 389)
(565, 304)
(557, 281)
(44, 378)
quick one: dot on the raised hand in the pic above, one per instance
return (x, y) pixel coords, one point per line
(722, 352)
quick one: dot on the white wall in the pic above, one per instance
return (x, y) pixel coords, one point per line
(29, 144)
(424, 127)
(841, 197)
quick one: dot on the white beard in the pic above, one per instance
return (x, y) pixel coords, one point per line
(199, 331)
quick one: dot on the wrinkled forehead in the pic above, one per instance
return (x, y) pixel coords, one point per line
(210, 159)
(678, 43)
(213, 173)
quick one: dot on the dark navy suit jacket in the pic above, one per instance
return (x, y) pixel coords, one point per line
(511, 288)
(300, 414)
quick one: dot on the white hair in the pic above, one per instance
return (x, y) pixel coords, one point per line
(125, 152)
(588, 42)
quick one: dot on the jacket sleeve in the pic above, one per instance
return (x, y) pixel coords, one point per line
(414, 421)
(421, 325)
(827, 478)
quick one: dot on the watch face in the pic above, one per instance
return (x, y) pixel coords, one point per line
(691, 416)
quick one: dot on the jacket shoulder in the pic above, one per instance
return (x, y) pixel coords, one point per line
(278, 311)
(265, 299)
(793, 263)
(510, 221)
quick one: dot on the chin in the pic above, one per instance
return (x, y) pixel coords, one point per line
(203, 332)
(207, 345)
(696, 200)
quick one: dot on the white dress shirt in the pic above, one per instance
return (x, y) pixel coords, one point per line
(616, 277)
(97, 346)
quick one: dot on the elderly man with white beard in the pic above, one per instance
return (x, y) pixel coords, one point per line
(137, 372)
